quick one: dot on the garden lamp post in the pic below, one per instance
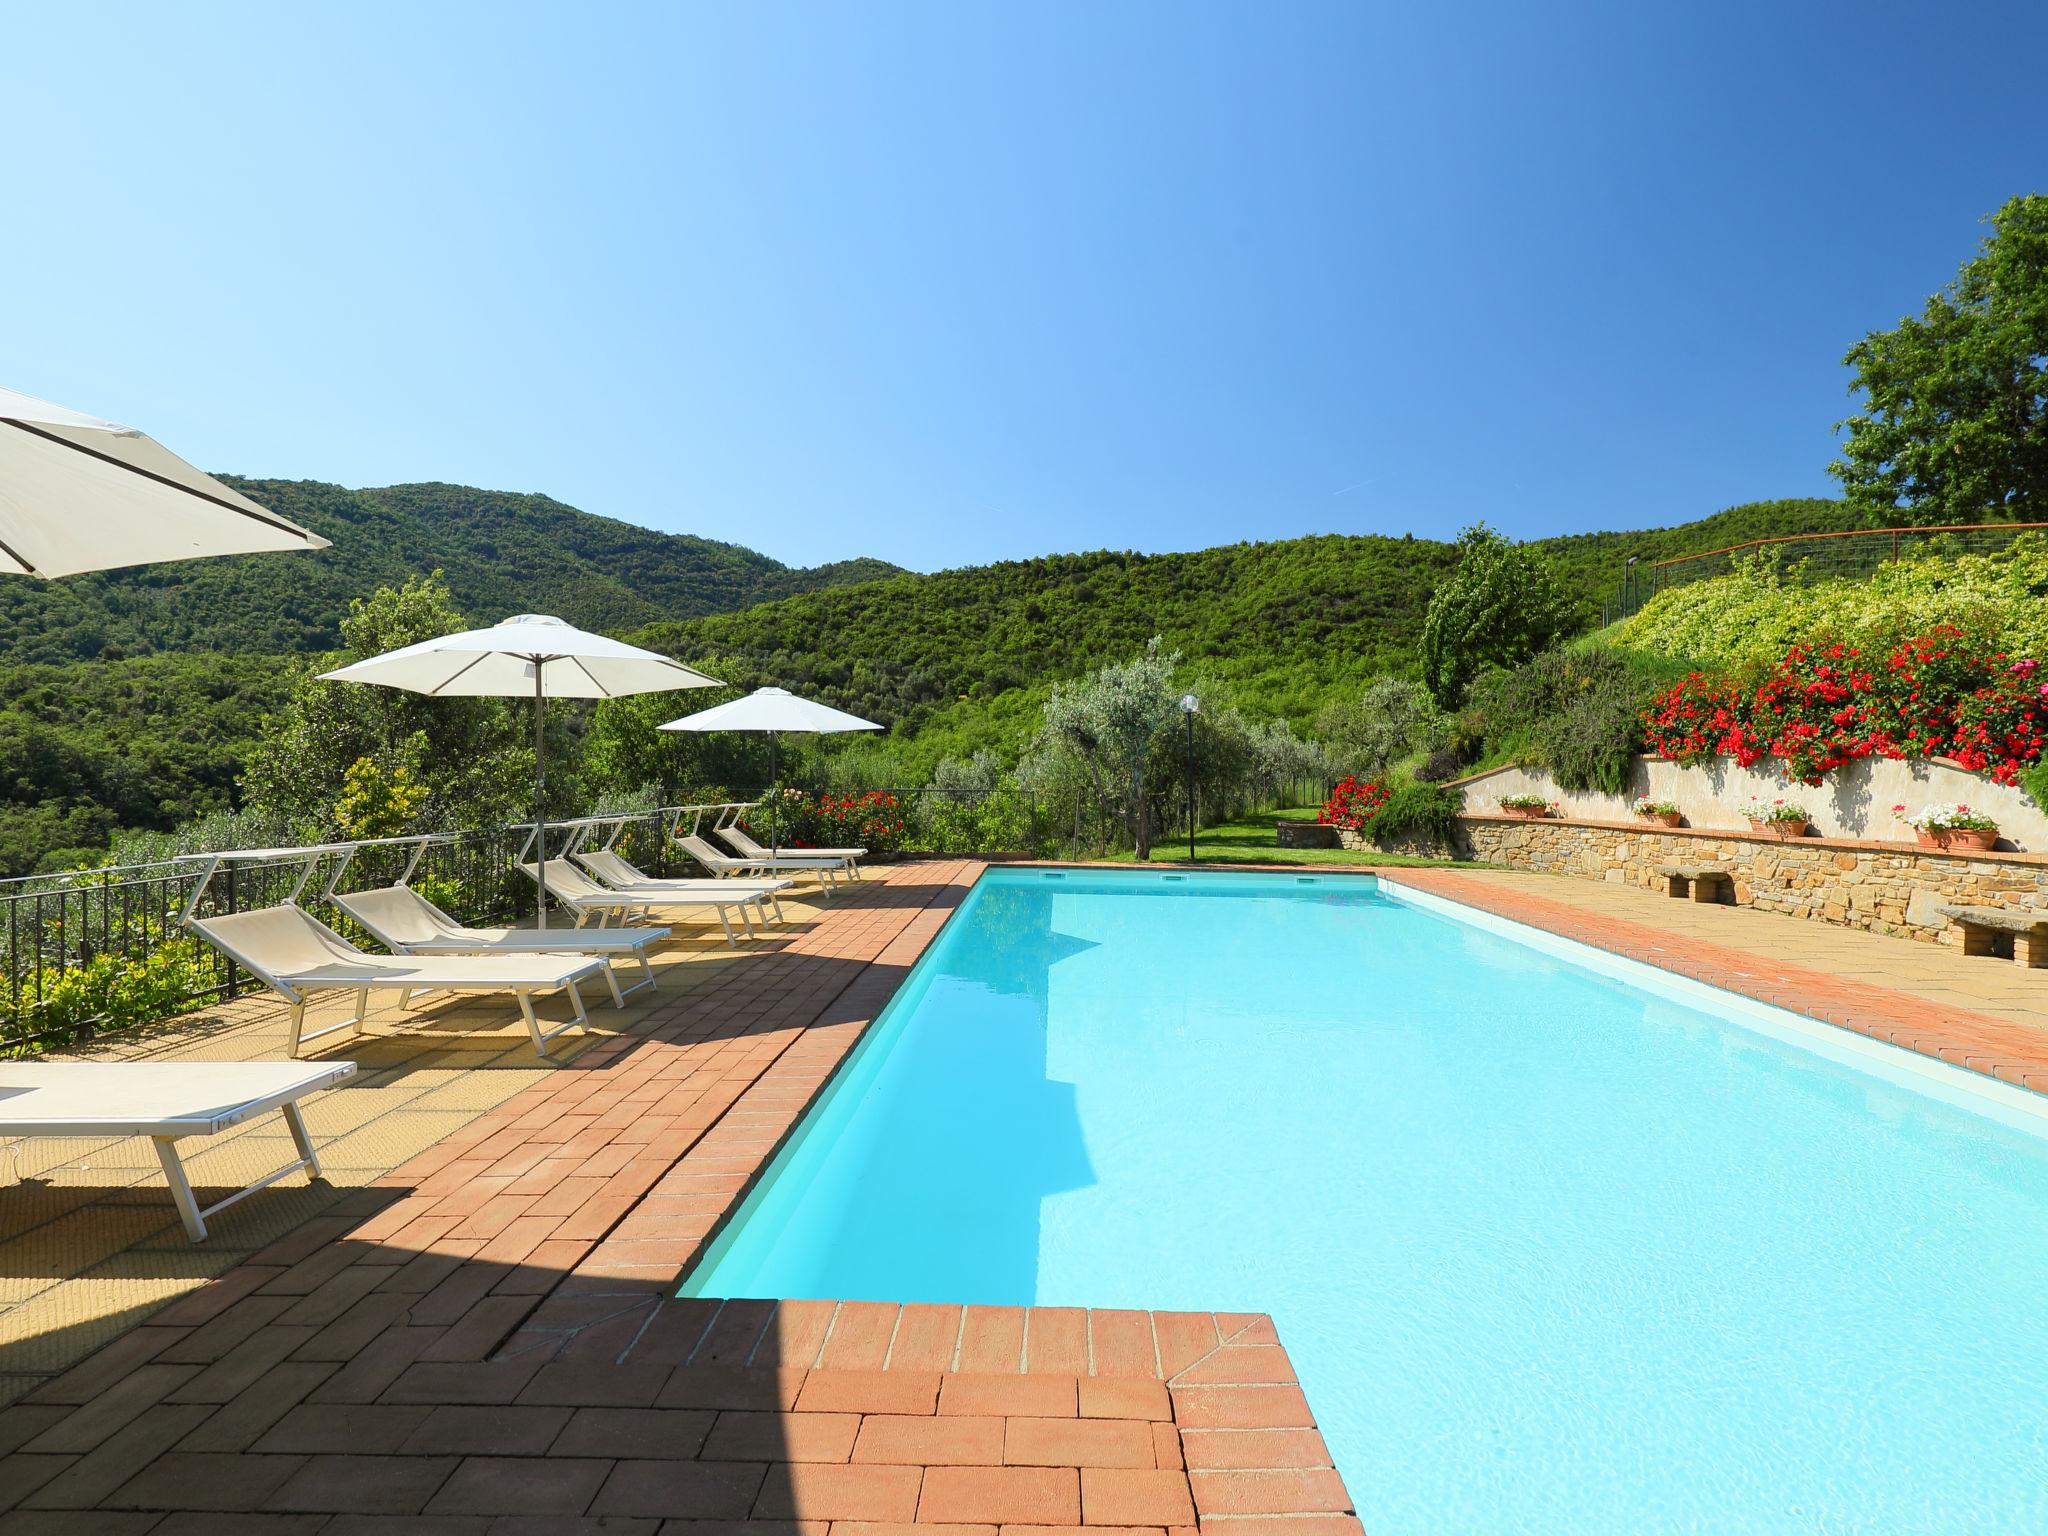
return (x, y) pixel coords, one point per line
(1188, 705)
(1628, 572)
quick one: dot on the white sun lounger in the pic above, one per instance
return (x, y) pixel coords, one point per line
(727, 867)
(747, 848)
(405, 922)
(165, 1100)
(616, 871)
(298, 957)
(572, 888)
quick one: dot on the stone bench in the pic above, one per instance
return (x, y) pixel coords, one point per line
(1702, 882)
(1988, 930)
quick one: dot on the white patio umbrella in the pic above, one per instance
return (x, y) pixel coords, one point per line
(773, 710)
(81, 494)
(531, 655)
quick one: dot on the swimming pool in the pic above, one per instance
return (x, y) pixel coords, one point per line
(1556, 1242)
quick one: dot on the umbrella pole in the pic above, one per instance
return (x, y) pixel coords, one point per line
(775, 802)
(540, 780)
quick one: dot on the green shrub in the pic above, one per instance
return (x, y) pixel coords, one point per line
(2035, 782)
(1415, 812)
(1759, 611)
(1577, 712)
(109, 992)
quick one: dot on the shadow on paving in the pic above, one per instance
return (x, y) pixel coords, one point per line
(493, 1333)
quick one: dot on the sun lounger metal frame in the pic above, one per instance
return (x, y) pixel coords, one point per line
(605, 903)
(737, 838)
(612, 870)
(297, 993)
(731, 866)
(454, 938)
(280, 1085)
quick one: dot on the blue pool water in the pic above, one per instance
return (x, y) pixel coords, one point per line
(1556, 1245)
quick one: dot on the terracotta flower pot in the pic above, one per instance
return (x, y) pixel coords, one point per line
(1526, 812)
(1662, 818)
(1782, 830)
(1980, 839)
(1927, 839)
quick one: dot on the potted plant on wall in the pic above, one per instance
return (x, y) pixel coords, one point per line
(1950, 826)
(1780, 818)
(1528, 807)
(1663, 812)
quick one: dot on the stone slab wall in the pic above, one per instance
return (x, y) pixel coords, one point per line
(1855, 801)
(1882, 887)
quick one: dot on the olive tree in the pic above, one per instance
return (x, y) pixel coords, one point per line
(1107, 723)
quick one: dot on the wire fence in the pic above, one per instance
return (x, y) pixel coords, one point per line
(1853, 552)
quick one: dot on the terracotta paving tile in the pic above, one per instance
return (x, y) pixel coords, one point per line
(927, 1440)
(927, 1338)
(735, 1333)
(827, 1391)
(521, 1485)
(1241, 1408)
(1216, 1449)
(209, 1480)
(644, 1434)
(371, 1485)
(1299, 1491)
(1183, 1338)
(1056, 1340)
(1121, 1344)
(860, 1336)
(340, 1428)
(121, 1402)
(1119, 1496)
(1281, 1525)
(1075, 1442)
(748, 1435)
(732, 1387)
(608, 1385)
(822, 1492)
(1244, 1365)
(457, 1429)
(797, 1334)
(1006, 1495)
(1109, 1397)
(986, 1393)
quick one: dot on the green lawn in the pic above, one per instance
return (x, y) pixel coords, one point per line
(1252, 841)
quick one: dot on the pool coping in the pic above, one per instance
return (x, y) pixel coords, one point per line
(494, 1334)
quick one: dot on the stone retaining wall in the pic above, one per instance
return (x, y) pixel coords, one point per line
(1883, 887)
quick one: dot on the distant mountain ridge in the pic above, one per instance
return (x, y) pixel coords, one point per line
(184, 660)
(504, 552)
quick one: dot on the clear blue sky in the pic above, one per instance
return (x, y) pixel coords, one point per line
(950, 282)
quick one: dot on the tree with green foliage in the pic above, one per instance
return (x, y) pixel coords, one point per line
(1500, 606)
(1955, 425)
(1367, 733)
(473, 758)
(1109, 722)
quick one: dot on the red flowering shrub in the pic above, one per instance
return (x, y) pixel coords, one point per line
(873, 821)
(1938, 694)
(1352, 804)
